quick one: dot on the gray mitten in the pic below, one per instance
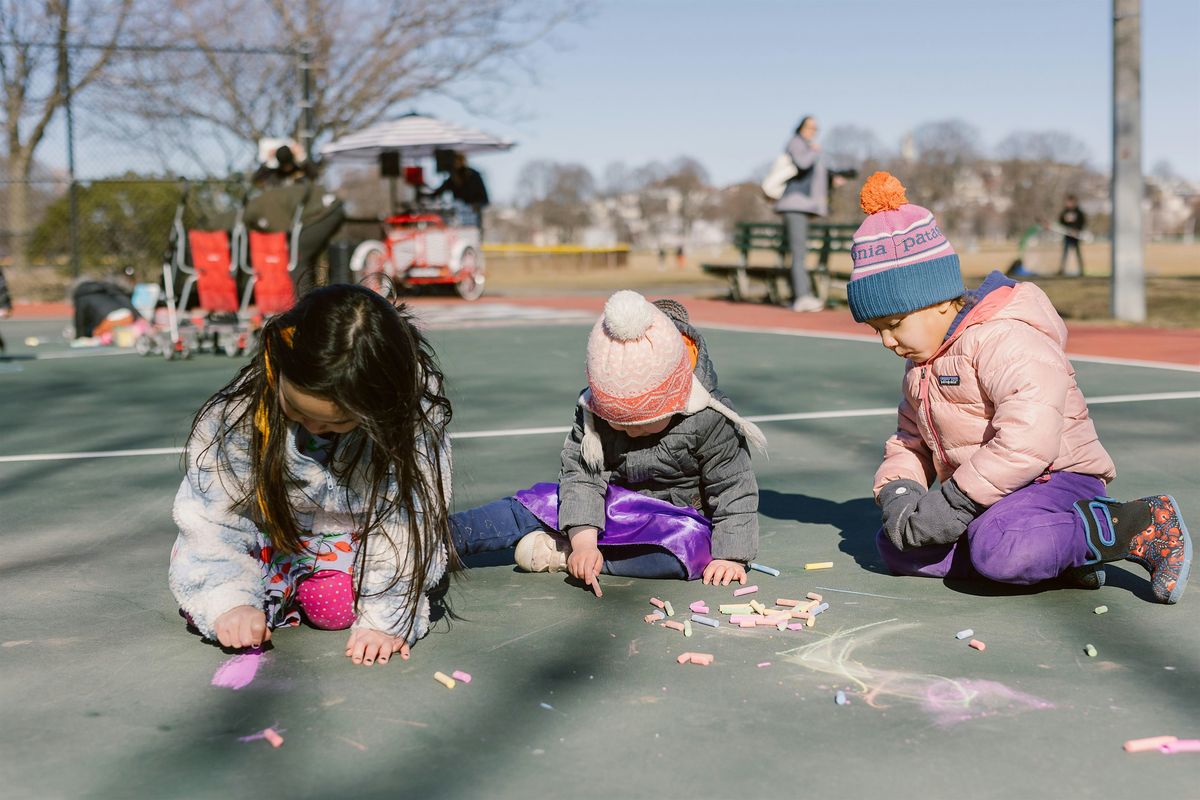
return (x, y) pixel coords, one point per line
(898, 500)
(940, 518)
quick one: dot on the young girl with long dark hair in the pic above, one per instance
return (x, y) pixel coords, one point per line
(318, 482)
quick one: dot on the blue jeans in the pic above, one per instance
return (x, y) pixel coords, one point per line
(500, 524)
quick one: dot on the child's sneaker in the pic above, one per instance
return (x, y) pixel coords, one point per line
(1089, 576)
(1149, 531)
(1164, 548)
(542, 552)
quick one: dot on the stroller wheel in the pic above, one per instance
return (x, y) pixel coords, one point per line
(143, 345)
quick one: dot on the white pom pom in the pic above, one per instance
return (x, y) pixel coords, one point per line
(627, 315)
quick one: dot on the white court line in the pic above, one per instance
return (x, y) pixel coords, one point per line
(513, 432)
(858, 337)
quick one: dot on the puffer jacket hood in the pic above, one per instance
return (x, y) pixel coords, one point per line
(997, 406)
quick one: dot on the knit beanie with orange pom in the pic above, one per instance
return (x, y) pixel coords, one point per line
(902, 262)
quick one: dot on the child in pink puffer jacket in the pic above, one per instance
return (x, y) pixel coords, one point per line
(991, 409)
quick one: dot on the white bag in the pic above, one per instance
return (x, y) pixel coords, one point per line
(782, 170)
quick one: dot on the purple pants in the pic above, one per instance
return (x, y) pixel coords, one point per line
(1028, 536)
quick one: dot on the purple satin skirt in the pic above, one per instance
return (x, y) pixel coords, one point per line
(631, 518)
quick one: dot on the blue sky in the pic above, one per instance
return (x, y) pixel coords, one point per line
(725, 82)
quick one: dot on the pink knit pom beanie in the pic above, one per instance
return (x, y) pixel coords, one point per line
(640, 370)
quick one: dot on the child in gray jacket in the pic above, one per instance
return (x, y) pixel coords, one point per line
(656, 479)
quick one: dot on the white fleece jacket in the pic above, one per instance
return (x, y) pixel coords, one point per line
(215, 564)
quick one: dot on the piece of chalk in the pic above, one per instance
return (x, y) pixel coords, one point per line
(703, 659)
(782, 626)
(814, 596)
(670, 611)
(762, 664)
(808, 623)
(687, 627)
(796, 626)
(459, 675)
(546, 706)
(709, 621)
(783, 601)
(757, 607)
(802, 614)
(654, 616)
(444, 680)
(698, 607)
(596, 586)
(673, 625)
(1090, 650)
(819, 565)
(745, 590)
(271, 736)
(738, 619)
(965, 634)
(654, 601)
(683, 658)
(978, 645)
(809, 606)
(819, 609)
(768, 570)
(767, 621)
(1180, 746)
(1100, 610)
(748, 624)
(840, 698)
(1152, 743)
(736, 608)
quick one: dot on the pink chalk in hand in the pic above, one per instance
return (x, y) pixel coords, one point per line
(459, 675)
(698, 607)
(274, 738)
(745, 590)
(1152, 743)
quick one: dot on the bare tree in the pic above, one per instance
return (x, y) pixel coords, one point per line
(557, 196)
(688, 179)
(369, 57)
(946, 152)
(38, 73)
(1036, 170)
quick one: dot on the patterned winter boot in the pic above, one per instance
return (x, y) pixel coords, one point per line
(1149, 532)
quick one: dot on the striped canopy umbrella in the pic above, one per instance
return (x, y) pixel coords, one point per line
(413, 136)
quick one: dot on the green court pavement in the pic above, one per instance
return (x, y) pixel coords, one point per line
(104, 693)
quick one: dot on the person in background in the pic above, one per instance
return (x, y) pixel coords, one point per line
(466, 186)
(806, 196)
(1073, 221)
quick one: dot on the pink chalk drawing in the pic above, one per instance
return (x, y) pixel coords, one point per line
(238, 671)
(948, 701)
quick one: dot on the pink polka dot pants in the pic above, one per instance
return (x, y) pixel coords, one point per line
(327, 599)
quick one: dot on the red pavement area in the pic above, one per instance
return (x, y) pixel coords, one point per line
(1172, 345)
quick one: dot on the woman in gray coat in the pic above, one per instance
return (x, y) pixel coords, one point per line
(806, 196)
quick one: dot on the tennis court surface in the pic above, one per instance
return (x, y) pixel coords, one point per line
(105, 694)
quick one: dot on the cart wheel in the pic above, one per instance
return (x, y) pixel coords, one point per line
(369, 264)
(472, 274)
